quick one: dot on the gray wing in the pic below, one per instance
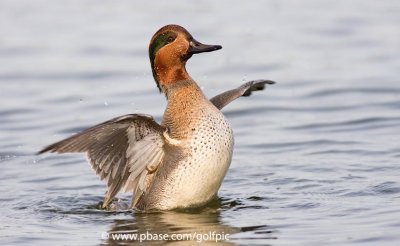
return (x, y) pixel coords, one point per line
(122, 151)
(246, 89)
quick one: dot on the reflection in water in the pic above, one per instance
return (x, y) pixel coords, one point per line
(181, 227)
(175, 227)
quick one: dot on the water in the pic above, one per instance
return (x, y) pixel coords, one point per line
(316, 160)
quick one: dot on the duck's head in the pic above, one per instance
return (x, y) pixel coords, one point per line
(169, 49)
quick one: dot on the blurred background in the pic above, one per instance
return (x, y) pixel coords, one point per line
(316, 160)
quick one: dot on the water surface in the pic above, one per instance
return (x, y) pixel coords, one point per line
(316, 160)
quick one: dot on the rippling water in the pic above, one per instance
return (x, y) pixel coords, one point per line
(316, 159)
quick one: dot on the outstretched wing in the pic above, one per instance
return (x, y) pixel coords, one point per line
(122, 151)
(246, 89)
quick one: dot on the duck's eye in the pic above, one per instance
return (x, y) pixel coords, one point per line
(170, 39)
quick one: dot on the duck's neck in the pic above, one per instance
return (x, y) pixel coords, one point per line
(185, 100)
(167, 75)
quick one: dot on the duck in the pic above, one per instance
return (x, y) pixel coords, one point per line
(178, 163)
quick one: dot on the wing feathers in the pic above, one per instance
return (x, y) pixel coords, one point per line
(246, 89)
(121, 151)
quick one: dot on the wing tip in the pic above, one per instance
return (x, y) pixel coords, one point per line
(49, 148)
(257, 85)
(106, 201)
(266, 81)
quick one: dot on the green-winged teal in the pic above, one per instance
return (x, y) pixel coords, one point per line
(179, 163)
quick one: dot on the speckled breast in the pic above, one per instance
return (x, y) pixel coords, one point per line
(196, 178)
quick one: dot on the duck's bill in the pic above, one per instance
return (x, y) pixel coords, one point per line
(196, 47)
